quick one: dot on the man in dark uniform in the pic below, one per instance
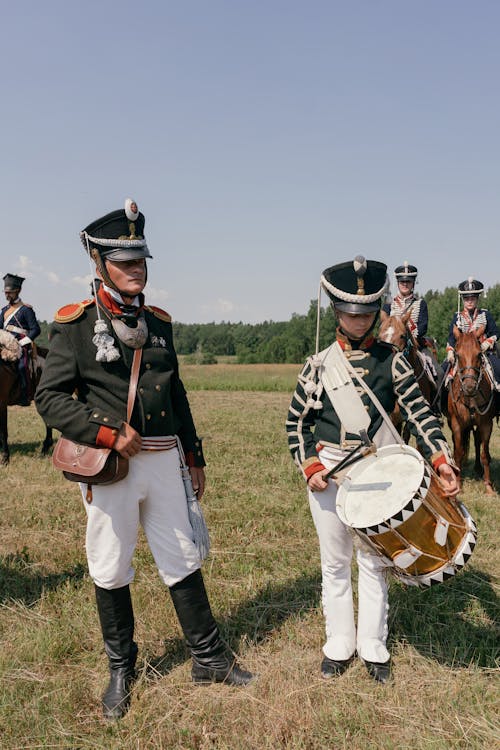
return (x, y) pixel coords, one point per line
(406, 299)
(475, 318)
(95, 363)
(318, 441)
(19, 319)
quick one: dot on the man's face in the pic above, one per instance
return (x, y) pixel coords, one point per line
(355, 326)
(470, 302)
(405, 288)
(11, 295)
(129, 276)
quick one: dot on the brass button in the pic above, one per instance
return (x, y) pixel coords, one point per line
(367, 372)
(105, 419)
(141, 390)
(148, 416)
(162, 413)
(157, 387)
(148, 366)
(95, 415)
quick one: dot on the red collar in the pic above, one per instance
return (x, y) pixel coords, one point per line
(111, 305)
(346, 345)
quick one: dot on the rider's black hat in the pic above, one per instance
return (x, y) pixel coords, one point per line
(356, 286)
(406, 272)
(471, 286)
(12, 283)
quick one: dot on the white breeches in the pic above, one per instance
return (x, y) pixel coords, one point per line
(336, 548)
(153, 496)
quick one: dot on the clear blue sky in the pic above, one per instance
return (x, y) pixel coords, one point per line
(263, 141)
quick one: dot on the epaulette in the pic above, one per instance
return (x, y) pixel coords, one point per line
(73, 311)
(159, 313)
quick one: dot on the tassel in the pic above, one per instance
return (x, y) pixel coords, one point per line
(106, 349)
(196, 518)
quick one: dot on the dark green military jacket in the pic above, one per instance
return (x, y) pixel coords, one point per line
(313, 422)
(78, 395)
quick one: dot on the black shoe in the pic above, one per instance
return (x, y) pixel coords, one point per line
(116, 699)
(380, 671)
(334, 667)
(223, 670)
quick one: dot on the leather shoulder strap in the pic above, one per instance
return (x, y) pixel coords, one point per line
(134, 377)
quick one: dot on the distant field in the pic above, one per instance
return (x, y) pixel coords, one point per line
(263, 577)
(232, 377)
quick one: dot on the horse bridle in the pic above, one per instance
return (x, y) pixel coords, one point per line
(477, 374)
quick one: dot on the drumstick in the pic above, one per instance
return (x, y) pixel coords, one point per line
(367, 447)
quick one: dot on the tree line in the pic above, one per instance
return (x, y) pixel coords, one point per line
(293, 340)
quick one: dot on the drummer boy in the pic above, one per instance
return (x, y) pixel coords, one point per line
(318, 441)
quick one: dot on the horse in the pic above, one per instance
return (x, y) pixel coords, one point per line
(394, 330)
(471, 404)
(10, 388)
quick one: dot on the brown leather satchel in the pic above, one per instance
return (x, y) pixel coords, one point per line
(88, 463)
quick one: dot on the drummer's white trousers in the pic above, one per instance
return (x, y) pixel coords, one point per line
(151, 495)
(336, 548)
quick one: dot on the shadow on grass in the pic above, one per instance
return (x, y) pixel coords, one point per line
(20, 581)
(253, 620)
(32, 448)
(455, 623)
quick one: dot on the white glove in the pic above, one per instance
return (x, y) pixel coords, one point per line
(485, 345)
(450, 356)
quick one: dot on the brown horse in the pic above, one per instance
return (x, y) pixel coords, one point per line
(471, 404)
(10, 389)
(394, 330)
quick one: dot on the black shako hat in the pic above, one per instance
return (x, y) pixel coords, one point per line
(11, 282)
(356, 286)
(119, 235)
(406, 272)
(471, 286)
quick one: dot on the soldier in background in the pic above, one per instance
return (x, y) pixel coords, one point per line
(473, 318)
(19, 319)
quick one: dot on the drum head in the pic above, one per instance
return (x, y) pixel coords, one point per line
(379, 486)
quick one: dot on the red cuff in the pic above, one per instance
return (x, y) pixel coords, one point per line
(439, 462)
(190, 458)
(106, 437)
(313, 469)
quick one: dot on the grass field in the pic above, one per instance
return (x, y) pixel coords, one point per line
(264, 582)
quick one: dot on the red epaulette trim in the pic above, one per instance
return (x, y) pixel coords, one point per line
(159, 313)
(71, 312)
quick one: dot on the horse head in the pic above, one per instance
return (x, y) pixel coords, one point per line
(393, 330)
(469, 367)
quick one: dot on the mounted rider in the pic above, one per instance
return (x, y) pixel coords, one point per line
(407, 301)
(19, 319)
(474, 318)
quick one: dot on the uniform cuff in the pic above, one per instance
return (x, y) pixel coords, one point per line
(194, 457)
(106, 420)
(312, 468)
(438, 459)
(106, 437)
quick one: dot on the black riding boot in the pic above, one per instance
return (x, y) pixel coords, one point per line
(117, 625)
(211, 662)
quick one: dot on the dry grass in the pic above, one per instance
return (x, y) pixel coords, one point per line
(264, 583)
